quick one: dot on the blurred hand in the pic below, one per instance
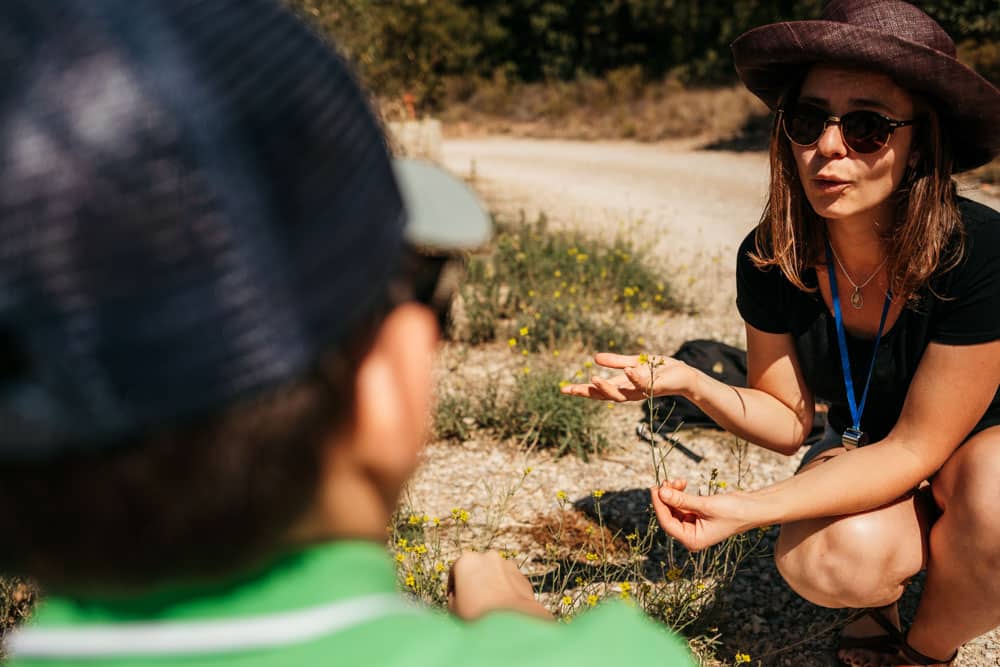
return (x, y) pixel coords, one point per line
(698, 522)
(670, 376)
(483, 582)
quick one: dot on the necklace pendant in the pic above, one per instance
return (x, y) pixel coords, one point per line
(856, 299)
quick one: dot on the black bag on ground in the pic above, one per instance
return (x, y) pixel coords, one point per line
(723, 362)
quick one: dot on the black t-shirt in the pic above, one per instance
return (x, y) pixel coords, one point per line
(965, 311)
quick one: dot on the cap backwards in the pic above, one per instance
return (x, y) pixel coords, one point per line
(195, 201)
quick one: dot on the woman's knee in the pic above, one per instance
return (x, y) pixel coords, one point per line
(856, 561)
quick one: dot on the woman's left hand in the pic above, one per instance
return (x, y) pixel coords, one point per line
(641, 378)
(698, 522)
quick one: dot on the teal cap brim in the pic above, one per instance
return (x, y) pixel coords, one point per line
(443, 213)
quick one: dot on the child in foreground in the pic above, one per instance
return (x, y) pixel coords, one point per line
(217, 329)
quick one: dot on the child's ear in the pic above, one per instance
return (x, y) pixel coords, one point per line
(393, 396)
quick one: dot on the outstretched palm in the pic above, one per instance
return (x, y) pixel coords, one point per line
(669, 376)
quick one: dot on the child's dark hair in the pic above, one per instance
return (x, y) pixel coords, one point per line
(205, 498)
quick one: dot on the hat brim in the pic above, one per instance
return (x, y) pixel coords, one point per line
(443, 214)
(770, 57)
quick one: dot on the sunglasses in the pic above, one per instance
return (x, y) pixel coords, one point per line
(430, 279)
(863, 131)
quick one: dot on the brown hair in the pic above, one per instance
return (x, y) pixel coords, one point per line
(203, 499)
(926, 235)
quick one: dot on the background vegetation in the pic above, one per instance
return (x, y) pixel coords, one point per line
(438, 50)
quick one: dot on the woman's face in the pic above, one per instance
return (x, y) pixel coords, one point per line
(839, 182)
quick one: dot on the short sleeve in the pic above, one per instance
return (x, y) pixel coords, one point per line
(967, 298)
(760, 293)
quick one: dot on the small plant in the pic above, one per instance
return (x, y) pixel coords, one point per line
(560, 288)
(532, 412)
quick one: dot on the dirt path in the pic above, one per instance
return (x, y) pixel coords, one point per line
(691, 199)
(683, 197)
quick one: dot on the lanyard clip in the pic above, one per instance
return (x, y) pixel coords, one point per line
(854, 438)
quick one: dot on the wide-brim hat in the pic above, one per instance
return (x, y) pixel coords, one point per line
(889, 36)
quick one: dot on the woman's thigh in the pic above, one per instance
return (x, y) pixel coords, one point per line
(967, 484)
(856, 560)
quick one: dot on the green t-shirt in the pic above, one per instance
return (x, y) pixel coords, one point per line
(332, 604)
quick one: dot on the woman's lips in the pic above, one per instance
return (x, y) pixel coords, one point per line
(830, 185)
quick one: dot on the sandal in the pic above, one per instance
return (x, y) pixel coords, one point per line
(892, 644)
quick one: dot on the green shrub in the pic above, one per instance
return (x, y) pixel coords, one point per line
(531, 411)
(545, 289)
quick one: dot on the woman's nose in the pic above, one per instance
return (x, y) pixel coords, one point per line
(831, 141)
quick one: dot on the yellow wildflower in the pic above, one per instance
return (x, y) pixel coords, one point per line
(561, 495)
(523, 331)
(439, 567)
(402, 542)
(591, 600)
(591, 557)
(742, 658)
(721, 484)
(410, 581)
(420, 549)
(414, 520)
(567, 600)
(460, 514)
(598, 493)
(400, 557)
(643, 359)
(512, 342)
(581, 258)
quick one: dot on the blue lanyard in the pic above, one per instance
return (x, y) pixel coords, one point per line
(853, 437)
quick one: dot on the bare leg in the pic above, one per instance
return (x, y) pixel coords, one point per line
(860, 560)
(962, 597)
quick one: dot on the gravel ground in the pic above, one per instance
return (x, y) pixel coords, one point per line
(694, 207)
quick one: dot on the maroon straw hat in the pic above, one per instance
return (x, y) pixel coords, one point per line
(890, 36)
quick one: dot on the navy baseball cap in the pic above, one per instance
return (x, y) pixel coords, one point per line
(196, 202)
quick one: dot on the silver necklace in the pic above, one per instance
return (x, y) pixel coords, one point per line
(857, 300)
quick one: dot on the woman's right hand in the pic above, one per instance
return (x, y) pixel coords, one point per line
(698, 522)
(669, 377)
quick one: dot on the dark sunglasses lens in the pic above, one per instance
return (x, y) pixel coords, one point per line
(805, 124)
(435, 280)
(865, 131)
